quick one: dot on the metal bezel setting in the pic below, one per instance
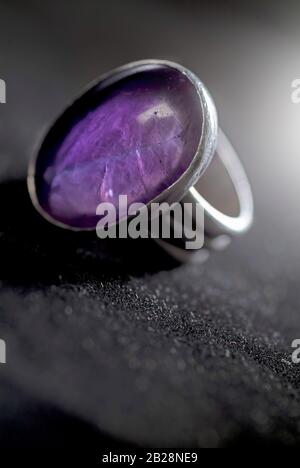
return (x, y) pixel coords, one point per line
(205, 151)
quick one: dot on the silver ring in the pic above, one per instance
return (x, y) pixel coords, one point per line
(186, 187)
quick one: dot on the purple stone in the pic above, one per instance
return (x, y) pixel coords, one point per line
(135, 136)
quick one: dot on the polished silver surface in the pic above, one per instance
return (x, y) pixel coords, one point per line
(232, 214)
(221, 222)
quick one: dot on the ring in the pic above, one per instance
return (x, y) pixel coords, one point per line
(147, 130)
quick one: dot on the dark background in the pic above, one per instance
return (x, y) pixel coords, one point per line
(110, 343)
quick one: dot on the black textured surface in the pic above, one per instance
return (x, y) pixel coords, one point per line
(111, 343)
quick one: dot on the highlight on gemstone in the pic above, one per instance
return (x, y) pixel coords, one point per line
(133, 135)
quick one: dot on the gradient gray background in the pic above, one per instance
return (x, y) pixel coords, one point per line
(247, 53)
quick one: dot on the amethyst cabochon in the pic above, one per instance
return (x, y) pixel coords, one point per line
(132, 134)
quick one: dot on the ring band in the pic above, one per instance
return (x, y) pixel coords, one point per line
(236, 215)
(217, 222)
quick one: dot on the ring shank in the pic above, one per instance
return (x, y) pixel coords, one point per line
(219, 222)
(225, 195)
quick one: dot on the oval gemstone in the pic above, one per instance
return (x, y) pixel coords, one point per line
(134, 136)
